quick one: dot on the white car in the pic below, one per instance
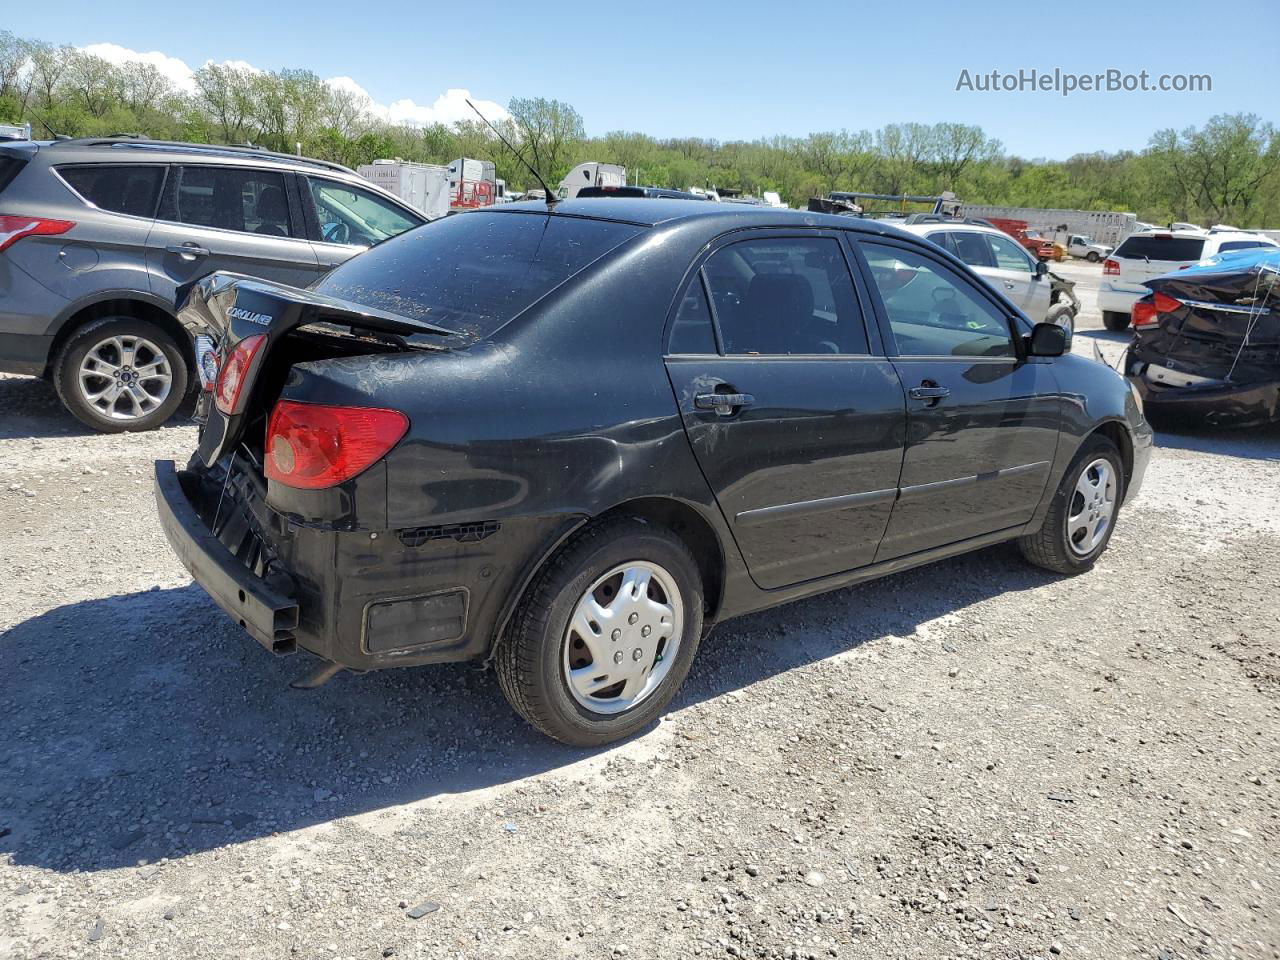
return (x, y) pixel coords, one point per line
(1142, 256)
(1001, 261)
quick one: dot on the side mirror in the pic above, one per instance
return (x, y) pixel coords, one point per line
(1047, 340)
(1041, 269)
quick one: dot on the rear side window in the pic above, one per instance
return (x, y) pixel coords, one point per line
(123, 188)
(1241, 245)
(473, 272)
(232, 198)
(785, 296)
(691, 331)
(1139, 247)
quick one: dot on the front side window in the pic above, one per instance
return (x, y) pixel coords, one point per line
(120, 188)
(785, 295)
(350, 215)
(932, 311)
(233, 198)
(1008, 255)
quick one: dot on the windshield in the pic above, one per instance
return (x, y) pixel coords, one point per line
(473, 272)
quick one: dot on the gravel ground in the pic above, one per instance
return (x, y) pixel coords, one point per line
(974, 759)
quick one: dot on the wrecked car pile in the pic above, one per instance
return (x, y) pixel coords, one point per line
(1207, 341)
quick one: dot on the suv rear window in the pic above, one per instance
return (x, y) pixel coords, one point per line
(472, 272)
(127, 188)
(1161, 248)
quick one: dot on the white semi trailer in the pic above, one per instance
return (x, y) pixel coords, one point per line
(592, 175)
(424, 186)
(1104, 227)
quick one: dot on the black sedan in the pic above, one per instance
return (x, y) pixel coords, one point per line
(571, 441)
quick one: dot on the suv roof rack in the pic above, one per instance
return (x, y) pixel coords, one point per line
(942, 218)
(138, 142)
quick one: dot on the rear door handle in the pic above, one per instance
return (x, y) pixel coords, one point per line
(929, 393)
(187, 250)
(725, 404)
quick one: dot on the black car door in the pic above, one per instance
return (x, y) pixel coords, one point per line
(794, 417)
(982, 419)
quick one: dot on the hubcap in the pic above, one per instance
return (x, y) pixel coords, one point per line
(623, 637)
(125, 378)
(1092, 504)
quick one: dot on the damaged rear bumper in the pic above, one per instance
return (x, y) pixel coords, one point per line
(1240, 405)
(267, 615)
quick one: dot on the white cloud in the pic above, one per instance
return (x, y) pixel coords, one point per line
(176, 70)
(449, 107)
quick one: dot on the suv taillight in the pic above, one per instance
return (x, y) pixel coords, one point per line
(312, 446)
(226, 393)
(1110, 268)
(13, 229)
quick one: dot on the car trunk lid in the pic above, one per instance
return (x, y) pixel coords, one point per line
(224, 309)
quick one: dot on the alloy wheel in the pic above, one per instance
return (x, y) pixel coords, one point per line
(125, 377)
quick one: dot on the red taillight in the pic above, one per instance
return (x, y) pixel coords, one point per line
(1110, 268)
(315, 445)
(1144, 313)
(1165, 303)
(13, 229)
(226, 394)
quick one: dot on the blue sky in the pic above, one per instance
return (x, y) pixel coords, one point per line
(729, 70)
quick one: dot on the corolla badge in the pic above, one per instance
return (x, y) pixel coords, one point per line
(242, 314)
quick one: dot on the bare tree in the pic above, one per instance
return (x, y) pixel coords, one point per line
(550, 130)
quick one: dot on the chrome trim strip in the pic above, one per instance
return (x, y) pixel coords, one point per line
(923, 489)
(1227, 308)
(805, 507)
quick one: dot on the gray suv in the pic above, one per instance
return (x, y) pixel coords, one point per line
(96, 235)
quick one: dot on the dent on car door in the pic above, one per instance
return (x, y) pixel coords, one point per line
(796, 423)
(982, 421)
(231, 218)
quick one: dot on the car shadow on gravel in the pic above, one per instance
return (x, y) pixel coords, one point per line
(146, 725)
(29, 407)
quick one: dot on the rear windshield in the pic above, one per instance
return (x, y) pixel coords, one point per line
(1161, 248)
(9, 167)
(473, 272)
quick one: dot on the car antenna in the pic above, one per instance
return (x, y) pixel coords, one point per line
(52, 132)
(551, 198)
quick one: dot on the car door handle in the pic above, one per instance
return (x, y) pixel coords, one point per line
(933, 392)
(725, 404)
(187, 250)
(1009, 284)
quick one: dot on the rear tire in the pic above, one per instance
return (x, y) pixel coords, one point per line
(1072, 537)
(560, 683)
(1115, 320)
(121, 374)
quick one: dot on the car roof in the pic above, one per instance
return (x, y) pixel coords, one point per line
(664, 211)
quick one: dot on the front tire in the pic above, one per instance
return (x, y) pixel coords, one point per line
(120, 374)
(605, 635)
(1083, 513)
(1115, 320)
(1092, 256)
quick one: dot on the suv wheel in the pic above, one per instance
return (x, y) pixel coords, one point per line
(606, 634)
(121, 373)
(1115, 320)
(1083, 513)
